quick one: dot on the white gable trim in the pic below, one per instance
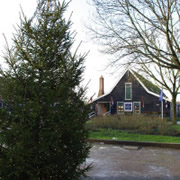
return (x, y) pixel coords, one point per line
(112, 86)
(147, 90)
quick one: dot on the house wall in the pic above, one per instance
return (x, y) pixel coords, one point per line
(151, 102)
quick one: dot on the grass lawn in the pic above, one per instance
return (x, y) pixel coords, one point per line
(125, 136)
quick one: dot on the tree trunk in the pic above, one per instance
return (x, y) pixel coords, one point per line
(174, 109)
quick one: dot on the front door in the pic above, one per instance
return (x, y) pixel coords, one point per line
(102, 108)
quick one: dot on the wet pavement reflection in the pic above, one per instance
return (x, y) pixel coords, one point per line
(111, 162)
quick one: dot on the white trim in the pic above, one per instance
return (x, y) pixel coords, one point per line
(128, 83)
(149, 92)
(115, 84)
(91, 114)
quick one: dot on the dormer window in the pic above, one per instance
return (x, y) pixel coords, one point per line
(128, 91)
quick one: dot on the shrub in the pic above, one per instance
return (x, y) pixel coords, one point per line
(133, 123)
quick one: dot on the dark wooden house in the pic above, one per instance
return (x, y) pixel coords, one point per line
(132, 94)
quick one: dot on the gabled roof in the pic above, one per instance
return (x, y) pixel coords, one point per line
(148, 84)
(149, 87)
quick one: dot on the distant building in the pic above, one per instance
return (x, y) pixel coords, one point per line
(178, 109)
(132, 94)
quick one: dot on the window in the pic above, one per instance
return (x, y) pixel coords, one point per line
(128, 91)
(120, 107)
(128, 106)
(137, 107)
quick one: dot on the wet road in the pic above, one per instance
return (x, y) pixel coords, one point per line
(111, 162)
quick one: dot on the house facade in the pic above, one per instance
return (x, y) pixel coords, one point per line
(132, 94)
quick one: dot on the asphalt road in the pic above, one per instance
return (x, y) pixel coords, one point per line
(111, 162)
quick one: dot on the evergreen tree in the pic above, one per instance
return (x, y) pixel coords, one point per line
(42, 127)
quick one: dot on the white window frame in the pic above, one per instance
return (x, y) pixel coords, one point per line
(139, 107)
(117, 107)
(130, 90)
(125, 110)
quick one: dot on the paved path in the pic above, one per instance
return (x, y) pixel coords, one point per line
(111, 162)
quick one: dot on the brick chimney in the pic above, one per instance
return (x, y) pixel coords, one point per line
(101, 86)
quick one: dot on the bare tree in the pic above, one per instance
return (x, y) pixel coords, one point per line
(141, 29)
(168, 79)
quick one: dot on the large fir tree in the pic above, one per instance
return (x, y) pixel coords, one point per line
(42, 131)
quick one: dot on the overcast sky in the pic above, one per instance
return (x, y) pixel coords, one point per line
(81, 12)
(96, 62)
